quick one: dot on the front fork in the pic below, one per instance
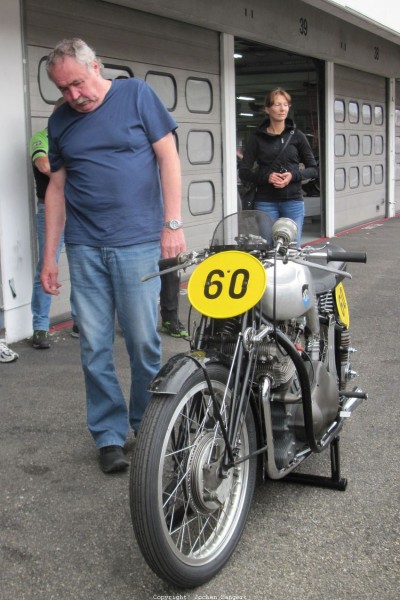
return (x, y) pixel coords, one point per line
(240, 394)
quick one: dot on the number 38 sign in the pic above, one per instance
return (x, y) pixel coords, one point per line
(227, 284)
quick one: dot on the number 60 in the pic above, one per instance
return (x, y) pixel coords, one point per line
(238, 284)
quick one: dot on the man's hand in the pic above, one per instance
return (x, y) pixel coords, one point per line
(172, 242)
(49, 278)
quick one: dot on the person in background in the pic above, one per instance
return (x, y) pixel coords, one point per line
(6, 354)
(169, 305)
(41, 302)
(279, 191)
(116, 180)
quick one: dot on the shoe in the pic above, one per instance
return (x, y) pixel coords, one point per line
(112, 459)
(6, 354)
(75, 331)
(40, 339)
(175, 329)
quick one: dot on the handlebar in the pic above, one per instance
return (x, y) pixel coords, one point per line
(183, 260)
(188, 258)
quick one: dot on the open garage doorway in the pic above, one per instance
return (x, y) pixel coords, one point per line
(259, 69)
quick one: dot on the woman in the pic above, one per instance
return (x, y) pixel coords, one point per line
(278, 176)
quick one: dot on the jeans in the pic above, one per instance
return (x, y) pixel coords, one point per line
(41, 302)
(106, 282)
(169, 297)
(293, 209)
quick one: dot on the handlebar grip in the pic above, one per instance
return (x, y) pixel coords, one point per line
(346, 256)
(166, 263)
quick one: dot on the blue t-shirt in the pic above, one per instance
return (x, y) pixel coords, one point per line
(113, 191)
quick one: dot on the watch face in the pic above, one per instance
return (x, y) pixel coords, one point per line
(173, 224)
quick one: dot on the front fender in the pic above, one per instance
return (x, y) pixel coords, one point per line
(175, 372)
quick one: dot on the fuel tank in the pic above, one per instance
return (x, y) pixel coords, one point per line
(294, 291)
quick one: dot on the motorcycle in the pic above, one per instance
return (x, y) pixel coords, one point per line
(262, 388)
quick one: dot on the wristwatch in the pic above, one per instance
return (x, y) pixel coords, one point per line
(173, 224)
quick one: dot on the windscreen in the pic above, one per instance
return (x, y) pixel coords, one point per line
(246, 230)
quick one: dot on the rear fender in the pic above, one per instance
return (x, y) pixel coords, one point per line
(172, 376)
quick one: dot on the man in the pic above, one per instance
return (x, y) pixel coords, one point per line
(41, 302)
(116, 179)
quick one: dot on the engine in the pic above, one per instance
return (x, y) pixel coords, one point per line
(287, 412)
(273, 362)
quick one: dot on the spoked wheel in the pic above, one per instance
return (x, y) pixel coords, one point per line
(188, 517)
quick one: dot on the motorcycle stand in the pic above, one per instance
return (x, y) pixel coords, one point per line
(335, 481)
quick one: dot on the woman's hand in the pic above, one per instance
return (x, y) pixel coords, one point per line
(280, 180)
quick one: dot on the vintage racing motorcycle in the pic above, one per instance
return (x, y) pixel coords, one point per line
(263, 387)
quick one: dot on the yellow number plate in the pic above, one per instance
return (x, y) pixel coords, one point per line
(227, 284)
(341, 305)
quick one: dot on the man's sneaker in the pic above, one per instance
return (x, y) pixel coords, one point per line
(6, 354)
(40, 339)
(112, 459)
(175, 329)
(75, 331)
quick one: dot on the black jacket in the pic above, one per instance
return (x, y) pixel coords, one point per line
(259, 162)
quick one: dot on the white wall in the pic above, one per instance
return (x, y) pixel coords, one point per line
(15, 236)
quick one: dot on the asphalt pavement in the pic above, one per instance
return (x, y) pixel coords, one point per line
(65, 526)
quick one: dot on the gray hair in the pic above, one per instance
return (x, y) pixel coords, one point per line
(76, 49)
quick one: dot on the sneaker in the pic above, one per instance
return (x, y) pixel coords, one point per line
(40, 339)
(112, 459)
(75, 331)
(176, 329)
(6, 354)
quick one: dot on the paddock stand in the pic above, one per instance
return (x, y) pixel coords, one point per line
(335, 481)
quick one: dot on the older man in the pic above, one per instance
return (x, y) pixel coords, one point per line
(116, 180)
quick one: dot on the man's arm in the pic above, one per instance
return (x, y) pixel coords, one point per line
(172, 242)
(42, 164)
(55, 221)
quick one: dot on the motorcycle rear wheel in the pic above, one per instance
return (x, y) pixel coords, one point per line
(187, 519)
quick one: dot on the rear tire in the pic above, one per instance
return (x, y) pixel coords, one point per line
(187, 519)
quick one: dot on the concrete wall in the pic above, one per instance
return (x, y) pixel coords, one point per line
(15, 223)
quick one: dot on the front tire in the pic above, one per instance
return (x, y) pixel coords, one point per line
(187, 519)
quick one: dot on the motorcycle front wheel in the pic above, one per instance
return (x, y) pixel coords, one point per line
(187, 517)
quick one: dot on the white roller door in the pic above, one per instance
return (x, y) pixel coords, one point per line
(397, 149)
(360, 147)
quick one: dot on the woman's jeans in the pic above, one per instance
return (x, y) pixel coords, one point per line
(293, 209)
(41, 302)
(106, 282)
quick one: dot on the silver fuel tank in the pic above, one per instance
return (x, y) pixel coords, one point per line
(294, 291)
